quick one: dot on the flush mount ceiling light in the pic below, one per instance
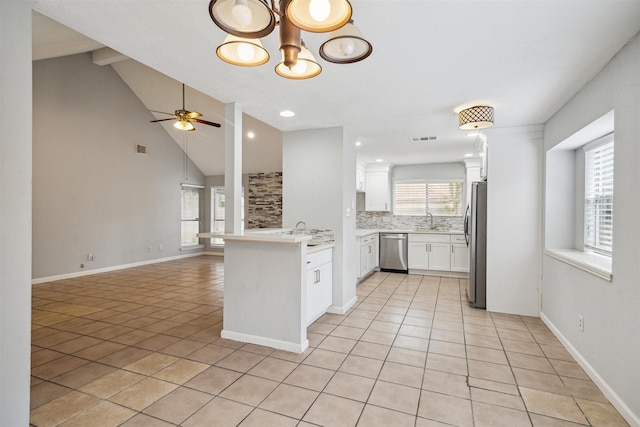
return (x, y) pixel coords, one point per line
(478, 117)
(248, 20)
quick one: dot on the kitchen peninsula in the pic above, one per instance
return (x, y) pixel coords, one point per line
(276, 283)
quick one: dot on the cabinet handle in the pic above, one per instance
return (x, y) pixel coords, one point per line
(316, 276)
(451, 248)
(369, 248)
(385, 206)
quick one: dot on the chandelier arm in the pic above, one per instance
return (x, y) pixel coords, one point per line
(275, 10)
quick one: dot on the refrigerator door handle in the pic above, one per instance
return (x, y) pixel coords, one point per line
(466, 225)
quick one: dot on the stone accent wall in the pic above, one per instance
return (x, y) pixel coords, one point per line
(264, 209)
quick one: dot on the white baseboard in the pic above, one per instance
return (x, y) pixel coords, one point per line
(112, 268)
(264, 341)
(220, 254)
(335, 309)
(606, 389)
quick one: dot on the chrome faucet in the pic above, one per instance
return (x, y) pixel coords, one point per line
(304, 225)
(431, 216)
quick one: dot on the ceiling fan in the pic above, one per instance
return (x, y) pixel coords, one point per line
(184, 118)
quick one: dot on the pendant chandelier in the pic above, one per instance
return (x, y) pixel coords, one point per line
(246, 21)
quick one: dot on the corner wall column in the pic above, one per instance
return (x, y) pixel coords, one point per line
(15, 211)
(232, 167)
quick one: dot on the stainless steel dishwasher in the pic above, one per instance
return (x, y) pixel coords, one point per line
(393, 252)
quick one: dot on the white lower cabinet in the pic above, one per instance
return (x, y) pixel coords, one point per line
(459, 254)
(368, 250)
(429, 252)
(319, 284)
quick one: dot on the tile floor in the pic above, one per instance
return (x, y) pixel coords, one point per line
(141, 347)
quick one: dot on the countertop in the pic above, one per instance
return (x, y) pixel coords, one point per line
(275, 235)
(362, 232)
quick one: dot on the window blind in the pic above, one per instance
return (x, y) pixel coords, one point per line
(190, 216)
(437, 198)
(598, 213)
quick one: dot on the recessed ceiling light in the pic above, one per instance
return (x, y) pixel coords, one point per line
(251, 135)
(379, 160)
(358, 143)
(287, 113)
(468, 155)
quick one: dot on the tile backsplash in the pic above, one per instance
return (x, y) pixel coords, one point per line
(385, 220)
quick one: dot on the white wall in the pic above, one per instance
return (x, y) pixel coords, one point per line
(514, 209)
(318, 185)
(15, 212)
(610, 343)
(91, 192)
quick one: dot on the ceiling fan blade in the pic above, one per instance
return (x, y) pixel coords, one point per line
(161, 120)
(205, 122)
(193, 114)
(161, 112)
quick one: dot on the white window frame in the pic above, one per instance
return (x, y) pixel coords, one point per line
(598, 195)
(218, 241)
(187, 217)
(425, 210)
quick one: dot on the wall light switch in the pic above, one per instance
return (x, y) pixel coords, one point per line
(348, 212)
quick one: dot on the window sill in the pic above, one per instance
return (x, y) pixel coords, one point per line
(598, 265)
(191, 248)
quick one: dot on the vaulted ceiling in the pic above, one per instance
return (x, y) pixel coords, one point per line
(525, 58)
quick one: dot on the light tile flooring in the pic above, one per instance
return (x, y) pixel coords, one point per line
(141, 347)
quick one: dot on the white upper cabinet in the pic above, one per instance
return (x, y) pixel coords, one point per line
(378, 190)
(360, 180)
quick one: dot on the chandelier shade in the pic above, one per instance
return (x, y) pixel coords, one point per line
(243, 52)
(249, 19)
(306, 66)
(478, 117)
(345, 46)
(319, 16)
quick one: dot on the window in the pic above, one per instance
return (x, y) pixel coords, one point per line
(190, 215)
(598, 196)
(420, 198)
(217, 212)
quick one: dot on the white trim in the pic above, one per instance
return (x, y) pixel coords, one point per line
(596, 264)
(108, 269)
(198, 186)
(609, 393)
(211, 253)
(335, 309)
(267, 342)
(191, 247)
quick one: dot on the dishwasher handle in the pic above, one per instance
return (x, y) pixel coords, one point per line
(394, 236)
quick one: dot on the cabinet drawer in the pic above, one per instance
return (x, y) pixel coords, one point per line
(458, 238)
(318, 258)
(429, 238)
(366, 240)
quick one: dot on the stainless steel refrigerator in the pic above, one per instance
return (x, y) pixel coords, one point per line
(475, 230)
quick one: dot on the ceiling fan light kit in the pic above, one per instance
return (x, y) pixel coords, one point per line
(184, 118)
(249, 20)
(477, 117)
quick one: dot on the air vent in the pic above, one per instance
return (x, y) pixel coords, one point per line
(141, 149)
(422, 138)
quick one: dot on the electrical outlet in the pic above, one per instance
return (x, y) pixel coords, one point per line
(580, 323)
(149, 248)
(160, 247)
